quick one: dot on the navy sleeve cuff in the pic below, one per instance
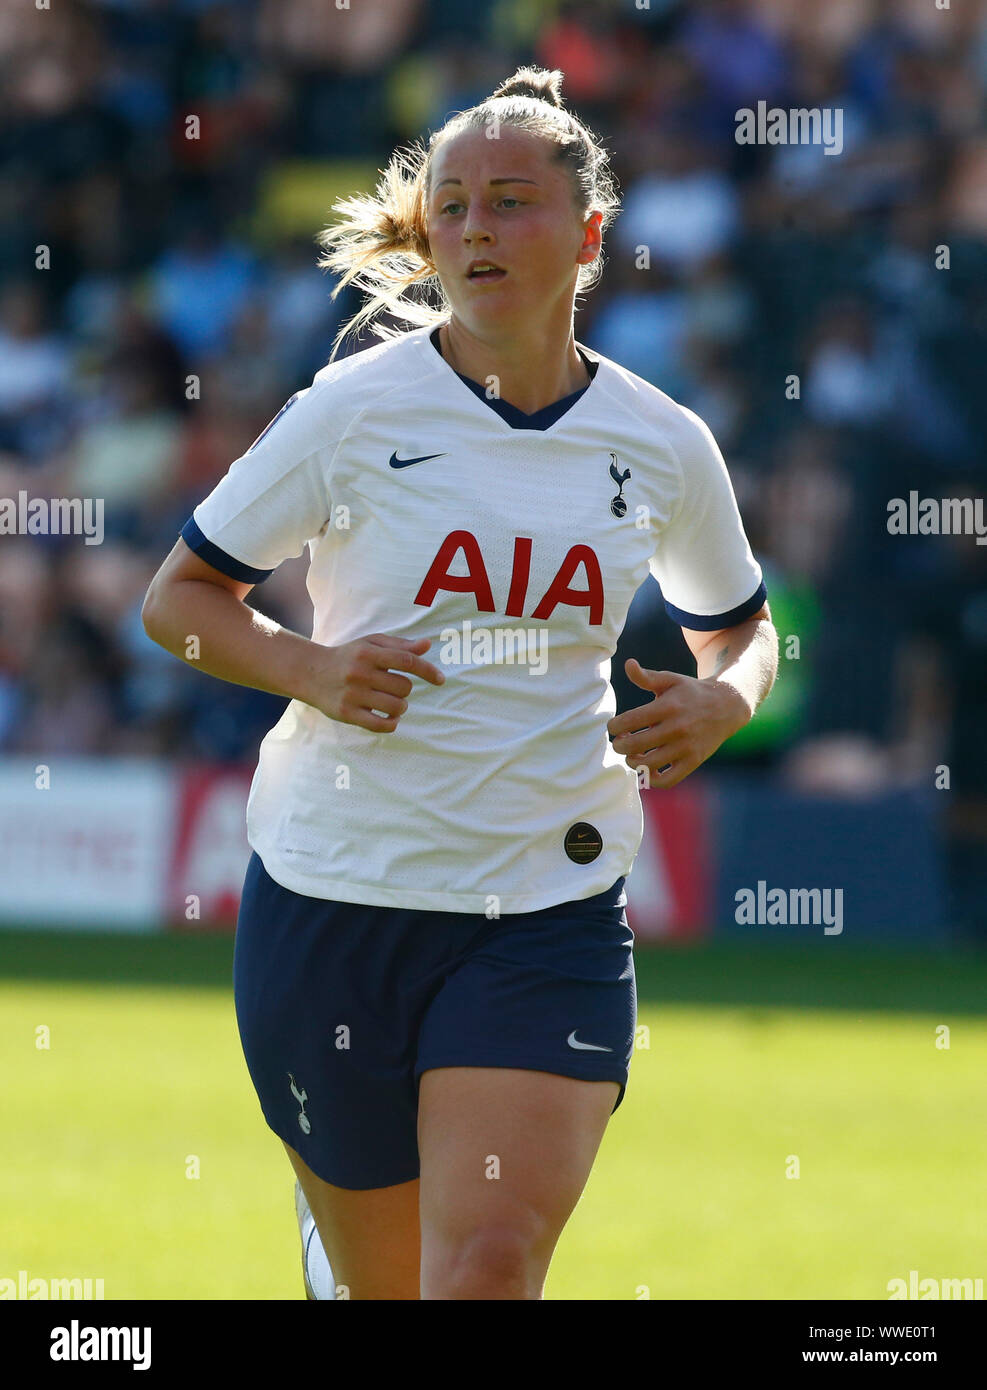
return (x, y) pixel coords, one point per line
(219, 559)
(713, 622)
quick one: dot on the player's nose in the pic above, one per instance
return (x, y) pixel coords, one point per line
(475, 229)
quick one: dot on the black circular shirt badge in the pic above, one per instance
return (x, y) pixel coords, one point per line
(583, 842)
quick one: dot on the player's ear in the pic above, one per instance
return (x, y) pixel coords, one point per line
(592, 239)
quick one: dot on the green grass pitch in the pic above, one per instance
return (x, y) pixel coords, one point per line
(754, 1055)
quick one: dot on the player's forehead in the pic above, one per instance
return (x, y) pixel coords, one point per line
(474, 160)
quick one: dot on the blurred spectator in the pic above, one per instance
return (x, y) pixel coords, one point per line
(200, 286)
(742, 60)
(643, 324)
(129, 457)
(35, 371)
(847, 382)
(582, 41)
(684, 212)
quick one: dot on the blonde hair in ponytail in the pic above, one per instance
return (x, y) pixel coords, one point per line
(379, 243)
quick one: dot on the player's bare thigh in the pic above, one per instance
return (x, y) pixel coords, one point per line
(505, 1154)
(371, 1237)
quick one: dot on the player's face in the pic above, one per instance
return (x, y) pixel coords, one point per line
(505, 201)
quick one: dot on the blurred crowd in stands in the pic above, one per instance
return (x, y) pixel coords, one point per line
(800, 302)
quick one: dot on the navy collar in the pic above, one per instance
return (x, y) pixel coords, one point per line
(517, 419)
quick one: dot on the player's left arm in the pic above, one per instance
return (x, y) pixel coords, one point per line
(691, 716)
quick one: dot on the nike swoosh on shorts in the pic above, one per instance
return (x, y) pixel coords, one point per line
(585, 1047)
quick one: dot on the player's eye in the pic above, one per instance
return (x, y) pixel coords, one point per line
(516, 201)
(451, 205)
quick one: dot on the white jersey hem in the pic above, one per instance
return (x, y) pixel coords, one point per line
(374, 895)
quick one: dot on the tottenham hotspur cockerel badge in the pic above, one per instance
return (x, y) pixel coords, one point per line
(618, 506)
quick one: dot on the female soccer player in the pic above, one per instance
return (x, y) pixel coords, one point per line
(433, 974)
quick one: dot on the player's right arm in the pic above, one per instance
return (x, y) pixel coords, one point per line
(190, 599)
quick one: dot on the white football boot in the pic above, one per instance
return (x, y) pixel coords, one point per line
(319, 1283)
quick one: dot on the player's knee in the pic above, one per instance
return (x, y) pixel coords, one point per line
(496, 1260)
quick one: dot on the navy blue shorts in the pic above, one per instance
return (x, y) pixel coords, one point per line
(342, 1006)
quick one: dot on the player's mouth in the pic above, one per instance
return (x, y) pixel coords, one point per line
(487, 272)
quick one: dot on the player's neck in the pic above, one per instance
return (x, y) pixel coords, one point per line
(544, 373)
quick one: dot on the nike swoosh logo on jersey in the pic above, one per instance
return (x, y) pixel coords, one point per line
(585, 1047)
(395, 462)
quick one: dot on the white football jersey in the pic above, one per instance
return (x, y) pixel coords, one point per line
(515, 543)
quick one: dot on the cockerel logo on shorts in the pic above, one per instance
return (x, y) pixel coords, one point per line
(304, 1123)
